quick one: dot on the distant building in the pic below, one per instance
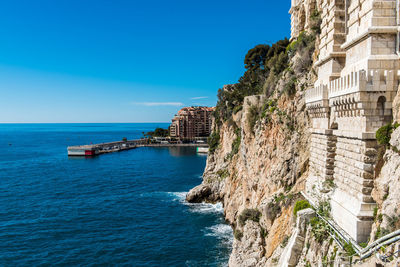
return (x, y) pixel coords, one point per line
(191, 122)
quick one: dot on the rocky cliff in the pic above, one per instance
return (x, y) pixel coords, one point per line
(257, 171)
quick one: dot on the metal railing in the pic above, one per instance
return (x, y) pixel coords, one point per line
(363, 253)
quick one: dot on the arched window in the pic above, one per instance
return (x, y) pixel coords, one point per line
(380, 107)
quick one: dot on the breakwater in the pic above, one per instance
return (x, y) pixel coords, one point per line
(102, 148)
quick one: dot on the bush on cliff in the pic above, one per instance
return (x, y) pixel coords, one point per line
(385, 132)
(236, 143)
(252, 117)
(300, 205)
(249, 214)
(213, 141)
(222, 174)
(238, 234)
(319, 229)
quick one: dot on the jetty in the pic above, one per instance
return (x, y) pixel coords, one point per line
(102, 148)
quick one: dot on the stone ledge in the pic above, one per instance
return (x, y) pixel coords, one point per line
(321, 131)
(356, 135)
(361, 36)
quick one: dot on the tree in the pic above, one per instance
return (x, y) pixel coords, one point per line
(255, 57)
(158, 132)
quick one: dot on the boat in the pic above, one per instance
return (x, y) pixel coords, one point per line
(202, 150)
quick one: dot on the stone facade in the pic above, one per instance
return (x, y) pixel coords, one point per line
(358, 79)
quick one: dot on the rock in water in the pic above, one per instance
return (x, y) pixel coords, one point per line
(198, 194)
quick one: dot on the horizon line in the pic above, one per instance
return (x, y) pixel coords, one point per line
(77, 122)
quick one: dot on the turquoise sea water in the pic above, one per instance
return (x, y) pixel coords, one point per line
(123, 208)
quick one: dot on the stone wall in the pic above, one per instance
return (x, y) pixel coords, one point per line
(357, 82)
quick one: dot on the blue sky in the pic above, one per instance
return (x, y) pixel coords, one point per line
(125, 61)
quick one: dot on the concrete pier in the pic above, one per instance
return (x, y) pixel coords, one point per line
(97, 149)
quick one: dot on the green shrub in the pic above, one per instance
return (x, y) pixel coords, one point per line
(380, 232)
(385, 132)
(319, 229)
(223, 173)
(252, 116)
(264, 232)
(300, 205)
(285, 241)
(375, 214)
(349, 249)
(324, 209)
(238, 108)
(213, 141)
(363, 244)
(236, 142)
(238, 234)
(290, 87)
(380, 217)
(249, 214)
(393, 222)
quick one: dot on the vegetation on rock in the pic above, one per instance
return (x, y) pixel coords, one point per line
(384, 133)
(238, 234)
(300, 205)
(249, 214)
(223, 173)
(213, 141)
(236, 143)
(319, 229)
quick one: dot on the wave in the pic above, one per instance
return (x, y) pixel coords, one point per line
(201, 208)
(221, 231)
(178, 196)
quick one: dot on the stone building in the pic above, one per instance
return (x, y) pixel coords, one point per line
(192, 122)
(358, 78)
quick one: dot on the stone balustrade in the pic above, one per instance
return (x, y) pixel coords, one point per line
(347, 84)
(316, 93)
(359, 81)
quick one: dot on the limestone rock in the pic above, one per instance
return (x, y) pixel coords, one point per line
(386, 188)
(249, 250)
(395, 139)
(396, 107)
(198, 194)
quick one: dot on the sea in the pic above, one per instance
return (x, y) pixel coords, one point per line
(120, 209)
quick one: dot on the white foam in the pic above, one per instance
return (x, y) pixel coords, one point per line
(221, 231)
(201, 208)
(178, 196)
(204, 208)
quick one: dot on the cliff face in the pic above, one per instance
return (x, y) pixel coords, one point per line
(386, 191)
(259, 184)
